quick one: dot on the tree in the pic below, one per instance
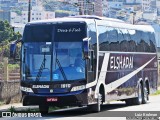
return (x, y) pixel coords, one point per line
(6, 32)
(7, 35)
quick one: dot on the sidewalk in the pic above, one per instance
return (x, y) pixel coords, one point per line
(17, 106)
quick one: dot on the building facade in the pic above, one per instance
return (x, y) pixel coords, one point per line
(90, 7)
(37, 13)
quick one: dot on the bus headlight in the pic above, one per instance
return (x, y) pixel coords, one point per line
(77, 88)
(26, 89)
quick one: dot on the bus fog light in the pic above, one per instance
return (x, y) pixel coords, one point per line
(77, 88)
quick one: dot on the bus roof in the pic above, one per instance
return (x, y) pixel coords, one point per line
(100, 21)
(59, 20)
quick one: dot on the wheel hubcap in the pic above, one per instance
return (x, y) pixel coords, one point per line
(145, 94)
(140, 94)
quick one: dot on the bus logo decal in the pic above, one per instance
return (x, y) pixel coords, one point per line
(121, 62)
(40, 86)
(113, 85)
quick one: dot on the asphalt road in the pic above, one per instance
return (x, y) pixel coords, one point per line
(111, 111)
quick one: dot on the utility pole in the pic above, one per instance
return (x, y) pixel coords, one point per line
(133, 17)
(29, 10)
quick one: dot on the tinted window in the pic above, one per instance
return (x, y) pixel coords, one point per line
(103, 38)
(38, 33)
(138, 39)
(70, 32)
(113, 38)
(60, 32)
(143, 42)
(108, 39)
(132, 41)
(92, 33)
(120, 38)
(152, 42)
(124, 45)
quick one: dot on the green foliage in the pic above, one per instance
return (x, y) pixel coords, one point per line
(7, 33)
(53, 108)
(2, 103)
(63, 11)
(32, 110)
(12, 109)
(1, 65)
(157, 92)
(4, 48)
(6, 36)
(13, 66)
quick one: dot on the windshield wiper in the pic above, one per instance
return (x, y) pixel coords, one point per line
(61, 69)
(41, 69)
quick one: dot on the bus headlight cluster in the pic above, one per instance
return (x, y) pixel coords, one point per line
(26, 89)
(77, 88)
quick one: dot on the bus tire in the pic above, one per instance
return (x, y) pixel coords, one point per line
(145, 94)
(43, 109)
(138, 100)
(96, 107)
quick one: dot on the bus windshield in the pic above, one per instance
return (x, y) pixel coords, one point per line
(53, 52)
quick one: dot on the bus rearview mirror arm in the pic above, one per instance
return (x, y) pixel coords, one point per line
(85, 47)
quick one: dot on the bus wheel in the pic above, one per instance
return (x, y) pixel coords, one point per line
(138, 100)
(145, 94)
(43, 109)
(96, 107)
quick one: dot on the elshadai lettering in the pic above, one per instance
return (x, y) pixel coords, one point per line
(121, 62)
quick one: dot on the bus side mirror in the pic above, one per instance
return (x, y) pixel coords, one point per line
(13, 49)
(86, 48)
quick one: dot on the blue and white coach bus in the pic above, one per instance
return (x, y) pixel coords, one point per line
(86, 61)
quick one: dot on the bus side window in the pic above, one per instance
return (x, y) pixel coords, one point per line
(92, 63)
(146, 43)
(143, 42)
(120, 38)
(152, 42)
(132, 41)
(92, 34)
(113, 38)
(103, 38)
(124, 44)
(138, 39)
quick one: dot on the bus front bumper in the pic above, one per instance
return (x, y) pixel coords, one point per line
(78, 98)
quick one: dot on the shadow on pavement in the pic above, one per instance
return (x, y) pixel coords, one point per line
(84, 111)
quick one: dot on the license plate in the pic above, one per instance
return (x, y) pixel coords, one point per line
(52, 99)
